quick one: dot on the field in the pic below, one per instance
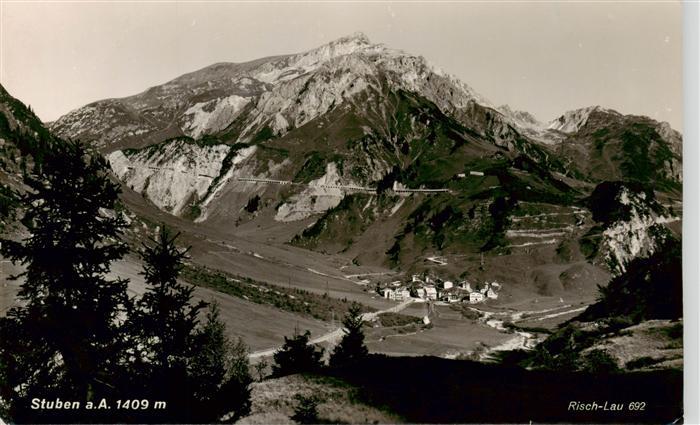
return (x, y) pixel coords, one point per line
(273, 402)
(260, 326)
(293, 300)
(449, 335)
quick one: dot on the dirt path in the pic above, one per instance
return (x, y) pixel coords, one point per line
(334, 335)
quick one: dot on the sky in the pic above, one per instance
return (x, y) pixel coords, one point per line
(541, 57)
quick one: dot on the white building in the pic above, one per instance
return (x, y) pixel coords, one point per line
(492, 294)
(396, 295)
(402, 294)
(476, 173)
(454, 297)
(466, 286)
(447, 284)
(431, 293)
(476, 297)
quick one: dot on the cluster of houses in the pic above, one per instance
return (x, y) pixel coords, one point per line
(427, 288)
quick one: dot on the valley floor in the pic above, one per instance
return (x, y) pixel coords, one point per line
(258, 250)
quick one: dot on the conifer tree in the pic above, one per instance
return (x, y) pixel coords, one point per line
(352, 347)
(64, 336)
(194, 367)
(297, 356)
(219, 372)
(164, 317)
(161, 327)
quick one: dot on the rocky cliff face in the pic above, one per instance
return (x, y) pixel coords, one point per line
(177, 173)
(639, 234)
(633, 223)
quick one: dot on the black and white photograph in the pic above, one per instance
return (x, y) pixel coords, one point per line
(342, 212)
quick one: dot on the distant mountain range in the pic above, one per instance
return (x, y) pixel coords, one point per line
(353, 113)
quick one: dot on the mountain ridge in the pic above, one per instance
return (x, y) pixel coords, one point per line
(138, 115)
(276, 139)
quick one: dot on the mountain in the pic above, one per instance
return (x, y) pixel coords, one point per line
(23, 137)
(522, 119)
(24, 142)
(572, 121)
(377, 160)
(273, 94)
(607, 145)
(328, 143)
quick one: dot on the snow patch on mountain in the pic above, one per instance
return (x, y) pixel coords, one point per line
(213, 115)
(172, 174)
(315, 198)
(309, 85)
(416, 74)
(287, 91)
(530, 126)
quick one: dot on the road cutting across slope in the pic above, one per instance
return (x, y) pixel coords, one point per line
(334, 335)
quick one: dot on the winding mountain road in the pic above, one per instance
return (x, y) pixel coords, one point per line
(337, 333)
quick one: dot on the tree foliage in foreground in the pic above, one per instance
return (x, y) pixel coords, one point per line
(64, 339)
(352, 346)
(297, 355)
(194, 367)
(77, 336)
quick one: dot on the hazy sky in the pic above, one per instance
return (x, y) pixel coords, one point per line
(545, 58)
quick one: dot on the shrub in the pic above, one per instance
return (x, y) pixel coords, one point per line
(641, 362)
(600, 361)
(297, 356)
(306, 411)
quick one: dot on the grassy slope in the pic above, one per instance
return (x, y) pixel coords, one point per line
(273, 401)
(296, 301)
(634, 324)
(420, 147)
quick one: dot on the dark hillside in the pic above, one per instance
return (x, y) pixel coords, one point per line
(434, 390)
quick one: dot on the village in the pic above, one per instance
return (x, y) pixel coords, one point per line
(427, 288)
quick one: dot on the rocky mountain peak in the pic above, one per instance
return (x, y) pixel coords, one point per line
(357, 37)
(278, 93)
(572, 121)
(521, 118)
